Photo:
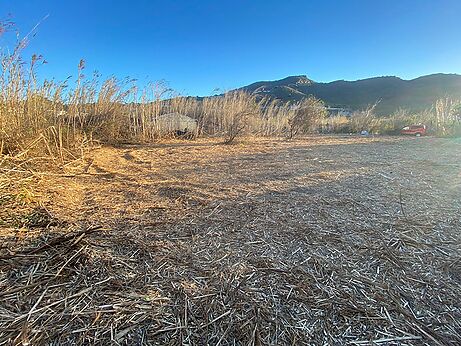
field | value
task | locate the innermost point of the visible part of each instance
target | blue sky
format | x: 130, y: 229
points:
x: 198, y: 46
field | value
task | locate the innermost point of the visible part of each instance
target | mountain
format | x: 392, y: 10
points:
x: 391, y: 92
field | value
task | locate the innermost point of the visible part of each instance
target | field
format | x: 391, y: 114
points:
x: 322, y: 241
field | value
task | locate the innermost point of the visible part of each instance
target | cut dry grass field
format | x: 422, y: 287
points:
x: 322, y: 241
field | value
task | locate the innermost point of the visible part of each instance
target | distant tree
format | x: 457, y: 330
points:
x: 307, y: 116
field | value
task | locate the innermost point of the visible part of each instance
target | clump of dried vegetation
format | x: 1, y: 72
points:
x: 443, y: 120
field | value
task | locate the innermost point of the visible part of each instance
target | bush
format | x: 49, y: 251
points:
x: 336, y: 124
x: 365, y: 120
x: 447, y: 119
x: 307, y: 116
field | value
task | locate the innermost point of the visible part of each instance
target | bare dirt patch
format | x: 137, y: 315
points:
x: 324, y: 240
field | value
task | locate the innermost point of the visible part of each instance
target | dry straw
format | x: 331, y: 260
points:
x: 271, y: 243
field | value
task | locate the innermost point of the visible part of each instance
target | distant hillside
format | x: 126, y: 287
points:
x: 391, y: 92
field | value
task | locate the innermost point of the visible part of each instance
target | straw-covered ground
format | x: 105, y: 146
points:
x: 318, y: 241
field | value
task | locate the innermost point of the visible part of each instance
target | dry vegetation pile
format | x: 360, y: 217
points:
x: 317, y: 241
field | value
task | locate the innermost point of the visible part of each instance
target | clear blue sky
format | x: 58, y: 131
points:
x: 198, y: 46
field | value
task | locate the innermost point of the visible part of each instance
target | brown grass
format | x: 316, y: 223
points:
x: 324, y: 240
x: 59, y: 120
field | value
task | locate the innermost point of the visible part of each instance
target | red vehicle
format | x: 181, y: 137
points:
x: 414, y: 130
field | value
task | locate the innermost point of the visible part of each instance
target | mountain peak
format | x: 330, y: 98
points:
x: 295, y: 80
x: 278, y: 88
